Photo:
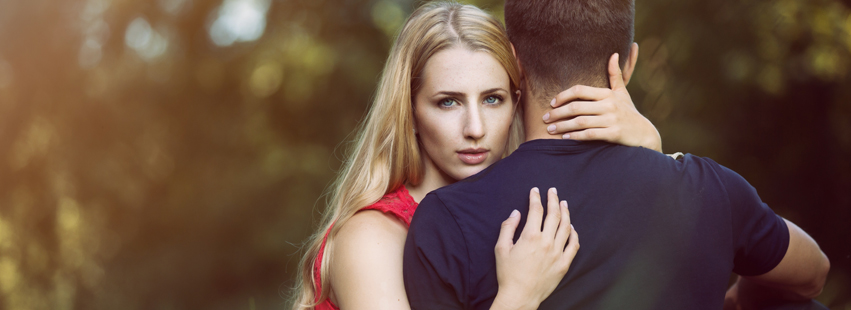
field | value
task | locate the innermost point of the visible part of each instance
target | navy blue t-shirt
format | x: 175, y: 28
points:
x: 655, y: 233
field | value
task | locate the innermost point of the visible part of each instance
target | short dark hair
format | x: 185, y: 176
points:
x: 562, y: 43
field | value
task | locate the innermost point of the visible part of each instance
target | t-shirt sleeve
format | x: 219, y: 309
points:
x: 435, y: 258
x: 760, y: 237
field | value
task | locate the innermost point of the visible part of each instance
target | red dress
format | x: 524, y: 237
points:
x: 398, y: 203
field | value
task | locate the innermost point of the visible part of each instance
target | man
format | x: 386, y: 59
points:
x: 656, y: 233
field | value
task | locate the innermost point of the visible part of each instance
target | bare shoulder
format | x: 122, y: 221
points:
x: 366, y: 264
x: 370, y: 239
x: 371, y: 224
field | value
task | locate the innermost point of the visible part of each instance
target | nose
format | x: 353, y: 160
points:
x: 474, y: 126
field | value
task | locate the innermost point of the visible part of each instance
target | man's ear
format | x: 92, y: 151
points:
x: 629, y: 66
x: 520, y: 67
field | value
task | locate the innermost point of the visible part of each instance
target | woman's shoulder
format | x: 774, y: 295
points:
x: 376, y: 230
x: 367, y: 259
x: 370, y: 223
x: 397, y: 203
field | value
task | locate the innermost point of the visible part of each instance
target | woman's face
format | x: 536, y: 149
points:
x: 462, y: 110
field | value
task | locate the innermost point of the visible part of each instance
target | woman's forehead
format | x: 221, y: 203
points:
x: 462, y: 70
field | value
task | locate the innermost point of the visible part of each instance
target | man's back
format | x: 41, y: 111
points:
x: 655, y: 233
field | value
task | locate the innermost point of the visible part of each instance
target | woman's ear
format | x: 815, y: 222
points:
x: 414, y: 121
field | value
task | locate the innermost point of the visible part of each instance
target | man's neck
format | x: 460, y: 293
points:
x: 533, y: 121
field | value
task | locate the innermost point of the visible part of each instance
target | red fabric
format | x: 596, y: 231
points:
x: 398, y: 203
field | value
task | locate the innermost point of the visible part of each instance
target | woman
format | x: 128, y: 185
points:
x: 444, y: 110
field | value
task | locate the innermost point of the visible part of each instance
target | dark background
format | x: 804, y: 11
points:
x: 172, y: 154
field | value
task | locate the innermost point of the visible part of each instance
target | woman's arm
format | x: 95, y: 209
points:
x: 590, y: 113
x: 366, y: 263
x: 529, y: 270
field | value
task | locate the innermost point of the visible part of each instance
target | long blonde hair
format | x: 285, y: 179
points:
x: 386, y: 154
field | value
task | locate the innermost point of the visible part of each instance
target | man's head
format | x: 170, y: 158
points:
x: 561, y: 43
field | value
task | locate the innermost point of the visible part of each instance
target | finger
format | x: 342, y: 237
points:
x: 608, y: 134
x: 536, y: 212
x: 580, y: 92
x: 581, y: 123
x: 563, y: 227
x: 572, y: 246
x: 615, y: 73
x: 553, y: 214
x: 506, y: 233
x: 577, y: 108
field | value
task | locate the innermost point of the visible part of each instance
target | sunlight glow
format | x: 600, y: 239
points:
x: 146, y: 41
x: 174, y: 7
x: 96, y: 32
x: 239, y: 21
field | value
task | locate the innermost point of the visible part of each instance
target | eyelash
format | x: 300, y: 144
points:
x: 497, y: 97
x: 440, y: 103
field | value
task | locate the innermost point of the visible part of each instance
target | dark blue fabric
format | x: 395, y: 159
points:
x: 655, y: 233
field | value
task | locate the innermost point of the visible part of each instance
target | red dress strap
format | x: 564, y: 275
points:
x: 399, y: 203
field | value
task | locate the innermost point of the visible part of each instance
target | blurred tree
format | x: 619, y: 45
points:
x: 173, y: 153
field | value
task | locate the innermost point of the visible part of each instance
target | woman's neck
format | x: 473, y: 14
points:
x: 433, y: 178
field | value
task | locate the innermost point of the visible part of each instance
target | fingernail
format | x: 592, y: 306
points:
x: 564, y: 204
x: 535, y: 189
x: 553, y: 189
x: 551, y: 128
x: 546, y: 116
x: 553, y: 103
x: 514, y: 213
x: 566, y: 136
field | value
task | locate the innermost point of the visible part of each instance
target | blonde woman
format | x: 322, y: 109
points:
x: 445, y: 109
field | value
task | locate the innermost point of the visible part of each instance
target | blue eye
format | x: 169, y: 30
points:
x: 493, y: 100
x: 446, y: 103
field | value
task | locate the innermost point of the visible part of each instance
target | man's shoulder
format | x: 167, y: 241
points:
x: 457, y: 203
x: 473, y: 184
x: 431, y: 210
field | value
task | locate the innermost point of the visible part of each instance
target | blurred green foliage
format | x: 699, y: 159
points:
x: 172, y: 154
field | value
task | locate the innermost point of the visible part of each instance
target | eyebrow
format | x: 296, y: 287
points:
x: 460, y: 94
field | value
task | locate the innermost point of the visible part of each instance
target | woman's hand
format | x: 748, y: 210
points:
x: 529, y: 270
x: 590, y: 113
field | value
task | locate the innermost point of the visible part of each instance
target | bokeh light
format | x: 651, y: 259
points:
x: 173, y: 154
x: 146, y: 41
x: 239, y: 21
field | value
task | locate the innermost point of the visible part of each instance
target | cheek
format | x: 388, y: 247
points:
x: 499, y: 120
x: 435, y: 130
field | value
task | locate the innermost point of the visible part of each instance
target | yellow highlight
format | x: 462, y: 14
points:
x: 68, y: 214
x: 825, y: 61
x: 5, y: 235
x: 266, y: 79
x: 34, y: 142
x: 9, y: 276
x: 848, y: 33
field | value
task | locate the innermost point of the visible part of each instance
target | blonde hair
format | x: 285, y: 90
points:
x: 386, y: 153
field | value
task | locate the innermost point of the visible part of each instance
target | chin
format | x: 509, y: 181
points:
x: 468, y: 171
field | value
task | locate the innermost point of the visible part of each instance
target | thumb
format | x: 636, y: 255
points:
x: 506, y: 232
x: 615, y: 73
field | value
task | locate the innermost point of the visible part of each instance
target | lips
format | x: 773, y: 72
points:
x: 473, y: 156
